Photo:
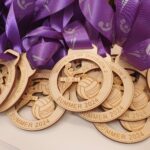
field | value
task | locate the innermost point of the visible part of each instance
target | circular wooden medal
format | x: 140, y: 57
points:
x: 126, y: 99
x: 140, y: 106
x: 72, y: 76
x: 45, y: 111
x: 136, y: 114
x: 7, y: 75
x: 125, y: 137
x: 25, y: 71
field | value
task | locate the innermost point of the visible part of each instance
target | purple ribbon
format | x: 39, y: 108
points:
x: 46, y: 29
x: 126, y: 25
x: 49, y: 7
x: 12, y: 31
x: 74, y: 38
x: 125, y: 15
x: 101, y: 18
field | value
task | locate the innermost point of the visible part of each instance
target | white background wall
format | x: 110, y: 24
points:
x: 70, y: 133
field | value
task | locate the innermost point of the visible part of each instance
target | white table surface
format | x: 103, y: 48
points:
x: 70, y: 133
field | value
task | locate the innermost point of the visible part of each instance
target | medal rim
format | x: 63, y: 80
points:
x: 106, y: 88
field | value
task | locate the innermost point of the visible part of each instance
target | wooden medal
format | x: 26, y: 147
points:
x: 125, y: 137
x: 25, y: 71
x: 73, y: 73
x: 119, y: 109
x: 7, y: 75
x: 45, y: 111
x: 140, y: 106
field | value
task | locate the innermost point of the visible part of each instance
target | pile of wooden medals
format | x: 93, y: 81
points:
x: 99, y: 90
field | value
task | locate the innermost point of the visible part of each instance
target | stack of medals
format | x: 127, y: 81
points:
x: 99, y: 90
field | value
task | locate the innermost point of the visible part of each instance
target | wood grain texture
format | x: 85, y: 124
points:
x: 74, y: 75
x: 44, y: 109
x: 126, y: 99
x: 9, y: 70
